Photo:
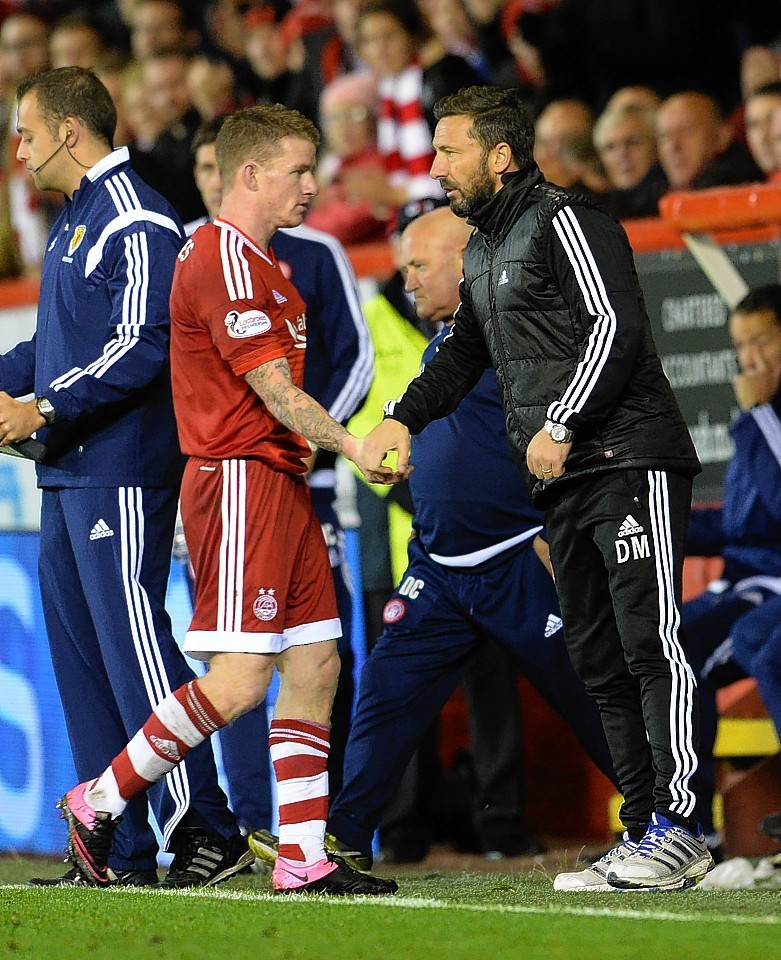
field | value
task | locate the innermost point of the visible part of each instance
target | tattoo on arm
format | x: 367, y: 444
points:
x: 294, y: 408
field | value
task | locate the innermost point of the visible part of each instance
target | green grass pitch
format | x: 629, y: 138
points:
x: 435, y: 916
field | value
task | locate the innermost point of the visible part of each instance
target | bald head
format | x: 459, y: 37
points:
x: 560, y: 124
x: 430, y: 253
x: 690, y: 131
x: 633, y: 96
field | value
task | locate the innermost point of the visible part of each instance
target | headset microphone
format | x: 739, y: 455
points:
x: 53, y: 155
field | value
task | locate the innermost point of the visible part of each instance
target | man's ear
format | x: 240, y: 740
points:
x: 249, y: 175
x: 71, y: 130
x: 502, y: 158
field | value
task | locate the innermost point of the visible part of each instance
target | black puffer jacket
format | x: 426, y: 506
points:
x: 550, y: 298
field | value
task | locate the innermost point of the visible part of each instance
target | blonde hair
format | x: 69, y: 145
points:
x: 255, y: 133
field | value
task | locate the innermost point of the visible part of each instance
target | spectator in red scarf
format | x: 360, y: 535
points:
x: 393, y: 39
x: 348, y: 118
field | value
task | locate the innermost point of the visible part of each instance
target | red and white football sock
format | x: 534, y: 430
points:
x: 180, y: 722
x: 299, y: 752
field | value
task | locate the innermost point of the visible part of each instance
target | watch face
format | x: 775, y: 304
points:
x: 559, y: 432
x: 45, y: 409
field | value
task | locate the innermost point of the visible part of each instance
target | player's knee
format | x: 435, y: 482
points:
x: 316, y: 673
x: 235, y: 692
x: 327, y: 674
x: 248, y: 694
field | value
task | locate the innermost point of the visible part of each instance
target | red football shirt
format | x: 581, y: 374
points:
x: 232, y: 309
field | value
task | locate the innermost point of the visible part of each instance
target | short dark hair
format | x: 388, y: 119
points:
x: 406, y: 12
x: 498, y: 116
x: 73, y: 92
x: 256, y: 133
x: 207, y: 133
x: 78, y: 20
x: 767, y: 297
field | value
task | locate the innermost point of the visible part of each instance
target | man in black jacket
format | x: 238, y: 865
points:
x: 550, y: 298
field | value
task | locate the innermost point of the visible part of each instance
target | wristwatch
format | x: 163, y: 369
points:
x: 558, y: 432
x: 46, y: 410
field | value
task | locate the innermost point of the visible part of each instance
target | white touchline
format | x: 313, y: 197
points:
x: 419, y: 903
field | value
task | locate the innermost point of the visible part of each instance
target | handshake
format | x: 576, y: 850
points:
x: 369, y: 452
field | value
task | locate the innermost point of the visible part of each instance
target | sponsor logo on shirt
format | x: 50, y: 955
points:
x: 265, y: 606
x: 553, y: 625
x: 298, y: 331
x: 250, y: 323
x: 186, y: 250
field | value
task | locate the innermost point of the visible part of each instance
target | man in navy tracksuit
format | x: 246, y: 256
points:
x: 733, y: 626
x: 473, y: 574
x: 338, y: 373
x: 98, y: 366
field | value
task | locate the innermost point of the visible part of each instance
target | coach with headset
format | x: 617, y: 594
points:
x: 98, y: 367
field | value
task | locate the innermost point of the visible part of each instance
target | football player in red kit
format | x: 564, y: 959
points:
x: 264, y: 591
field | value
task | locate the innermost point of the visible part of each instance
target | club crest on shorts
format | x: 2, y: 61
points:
x: 265, y: 606
x: 394, y: 610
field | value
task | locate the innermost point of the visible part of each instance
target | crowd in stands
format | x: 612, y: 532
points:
x: 623, y: 110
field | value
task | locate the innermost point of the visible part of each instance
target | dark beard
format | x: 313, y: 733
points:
x: 479, y: 193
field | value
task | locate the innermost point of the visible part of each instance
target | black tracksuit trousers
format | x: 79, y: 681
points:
x: 617, y: 543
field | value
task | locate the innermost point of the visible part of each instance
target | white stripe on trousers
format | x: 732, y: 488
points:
x: 683, y: 682
x: 230, y: 597
x: 142, y: 628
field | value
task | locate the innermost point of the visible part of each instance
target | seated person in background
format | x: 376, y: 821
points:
x: 454, y: 30
x: 110, y: 70
x: 561, y: 122
x: 159, y: 26
x: 580, y: 156
x: 212, y: 87
x: 626, y: 141
x: 413, y: 71
x: 274, y: 80
x: 745, y: 530
x: 168, y: 165
x: 775, y: 139
x: 758, y: 117
x: 633, y: 96
x: 139, y: 120
x: 329, y: 51
x: 24, y: 51
x: 759, y: 66
x: 75, y: 42
x: 348, y: 119
x: 696, y: 145
x: 756, y: 642
x: 523, y: 27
